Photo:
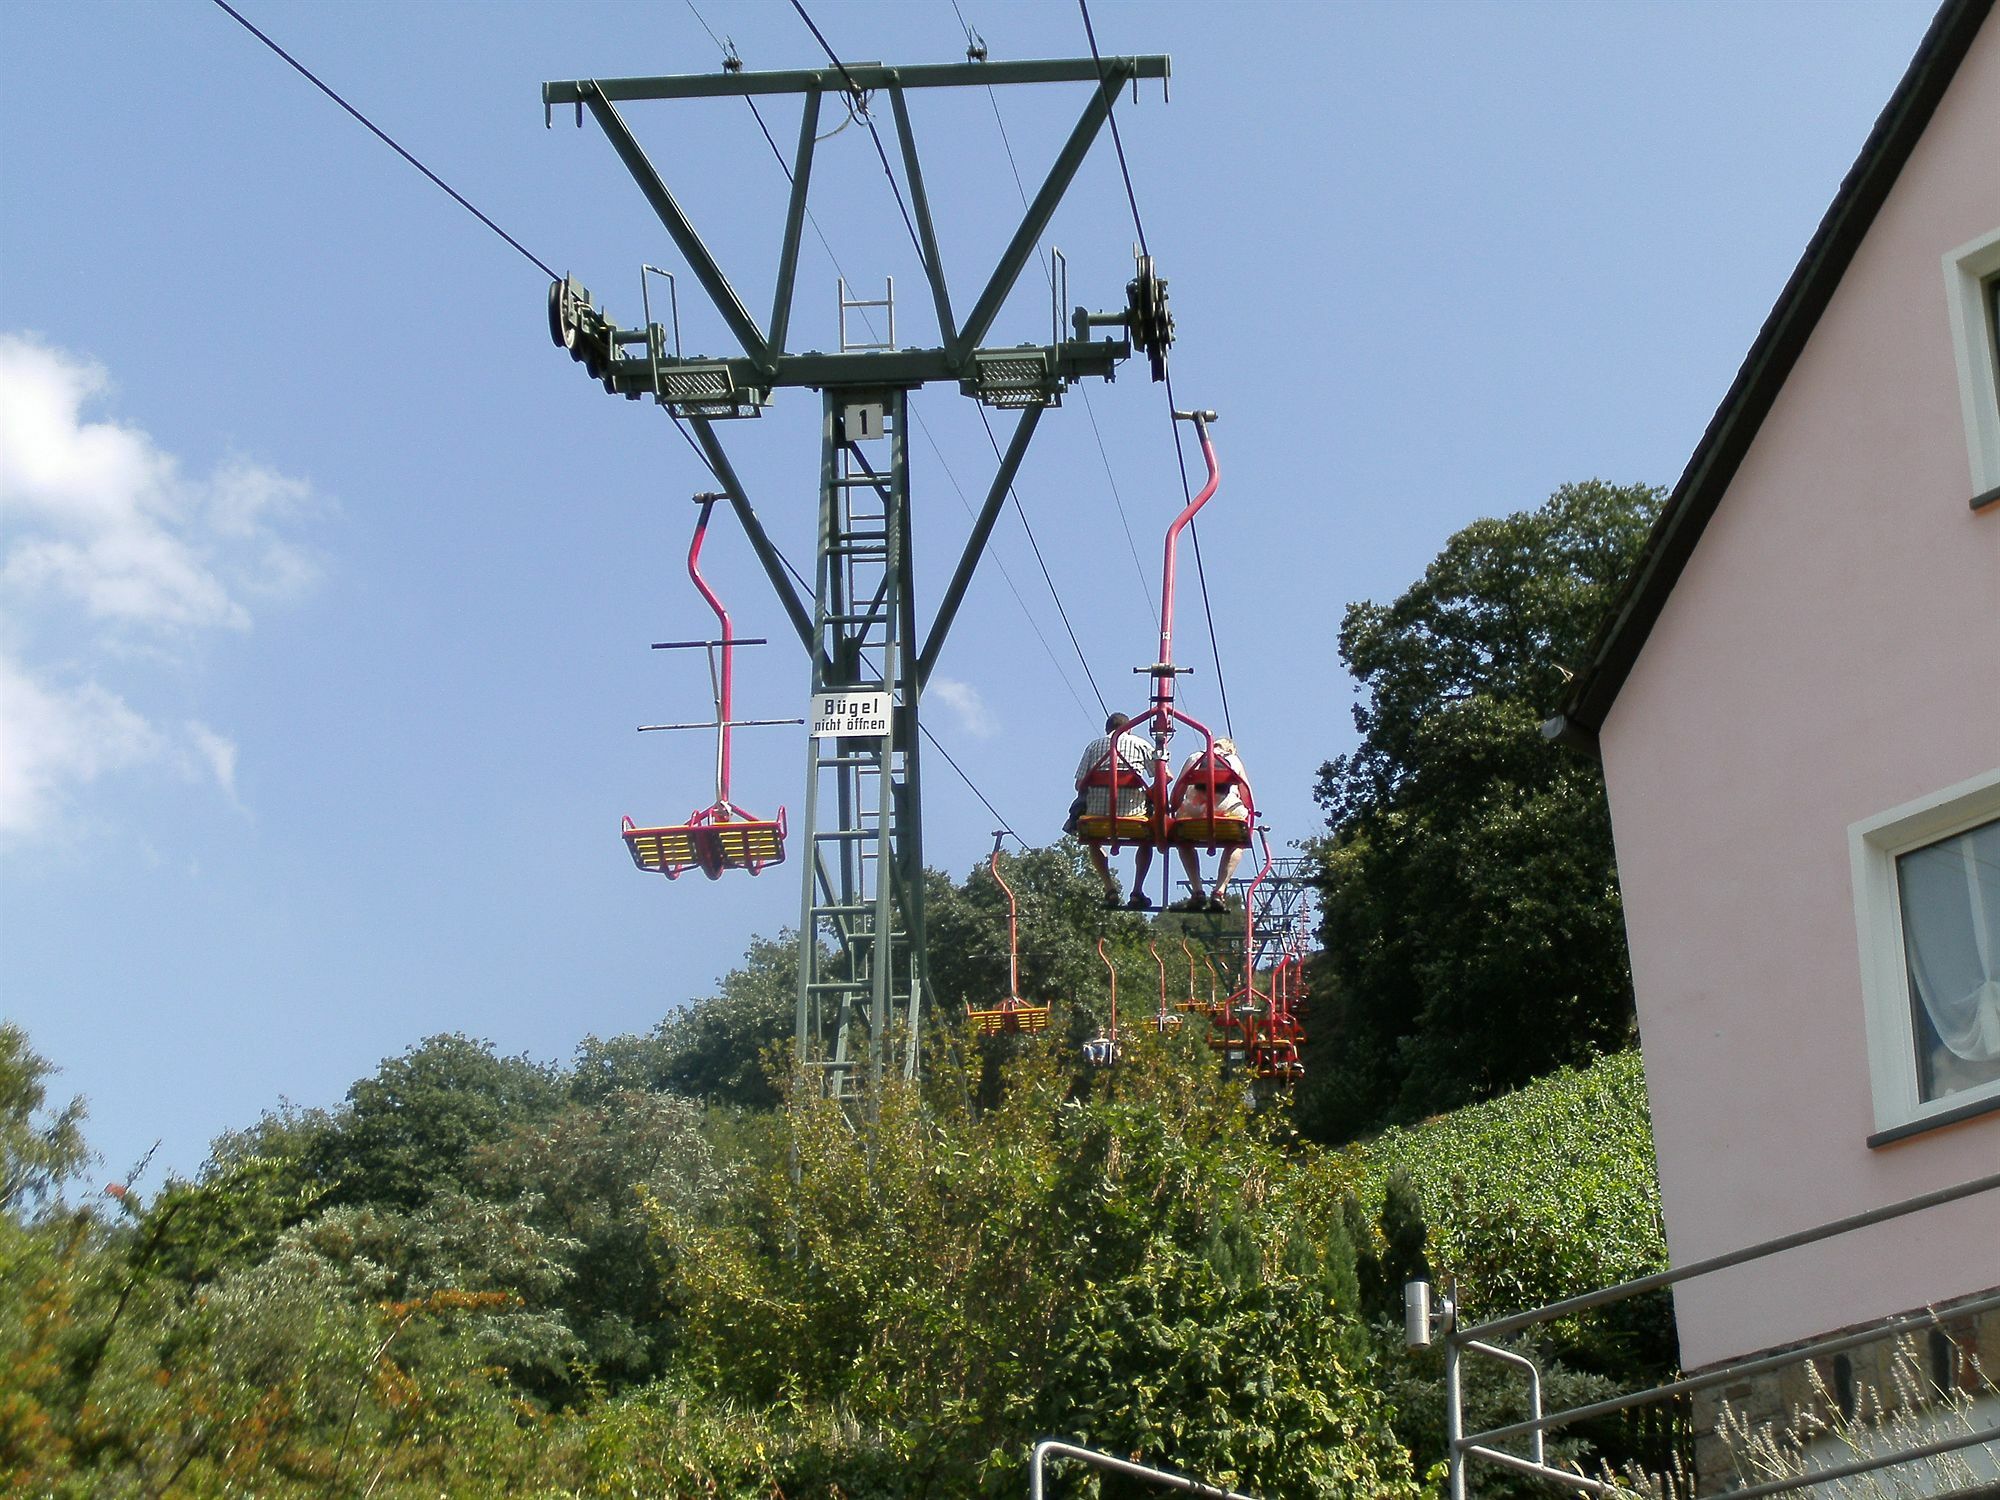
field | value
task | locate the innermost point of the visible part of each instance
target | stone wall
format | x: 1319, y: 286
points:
x: 1820, y: 1406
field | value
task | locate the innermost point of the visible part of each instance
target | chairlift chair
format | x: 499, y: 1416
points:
x: 1159, y: 826
x: 1012, y: 1013
x: 1167, y: 1019
x: 1192, y: 1004
x: 1101, y: 1051
x: 1242, y: 1031
x: 721, y: 836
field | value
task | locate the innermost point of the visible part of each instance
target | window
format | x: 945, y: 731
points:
x: 1972, y: 287
x: 1927, y: 913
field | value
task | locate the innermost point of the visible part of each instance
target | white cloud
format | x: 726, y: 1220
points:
x: 216, y: 754
x: 963, y: 699
x: 106, y: 548
x: 52, y: 740
x: 100, y: 517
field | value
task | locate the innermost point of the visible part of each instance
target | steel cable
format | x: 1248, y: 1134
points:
x: 386, y: 139
x: 1180, y: 457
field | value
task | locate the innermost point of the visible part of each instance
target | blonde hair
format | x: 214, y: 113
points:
x: 1225, y: 747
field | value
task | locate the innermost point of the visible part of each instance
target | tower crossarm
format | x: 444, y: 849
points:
x: 864, y: 76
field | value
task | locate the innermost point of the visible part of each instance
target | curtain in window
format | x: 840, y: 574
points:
x: 1951, y: 932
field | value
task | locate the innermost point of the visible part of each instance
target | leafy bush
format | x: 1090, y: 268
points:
x: 1110, y: 1259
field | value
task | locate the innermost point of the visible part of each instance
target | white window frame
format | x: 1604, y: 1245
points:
x: 1967, y: 271
x: 1873, y: 845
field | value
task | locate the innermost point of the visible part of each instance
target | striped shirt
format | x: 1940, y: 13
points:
x: 1134, y: 755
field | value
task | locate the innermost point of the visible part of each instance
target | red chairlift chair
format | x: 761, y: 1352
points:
x: 1159, y: 825
x: 721, y: 836
x: 1242, y: 1027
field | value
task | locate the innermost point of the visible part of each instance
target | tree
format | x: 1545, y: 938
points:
x: 1119, y: 1259
x: 586, y: 1180
x: 718, y: 1048
x: 1473, y: 931
x: 36, y: 1154
x: 411, y: 1128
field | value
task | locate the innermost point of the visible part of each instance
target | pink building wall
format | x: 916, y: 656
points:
x: 1832, y: 650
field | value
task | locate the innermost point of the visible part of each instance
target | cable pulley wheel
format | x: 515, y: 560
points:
x: 1147, y: 319
x: 566, y: 321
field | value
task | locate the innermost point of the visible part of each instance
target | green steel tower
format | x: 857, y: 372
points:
x: 862, y: 980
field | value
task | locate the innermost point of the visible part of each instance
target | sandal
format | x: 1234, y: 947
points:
x: 1140, y: 902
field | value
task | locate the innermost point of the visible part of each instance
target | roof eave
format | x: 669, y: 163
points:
x: 1764, y: 371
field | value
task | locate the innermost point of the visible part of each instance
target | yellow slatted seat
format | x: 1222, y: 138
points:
x: 749, y: 843
x: 1009, y: 1018
x: 662, y: 851
x: 1221, y: 832
x: 1109, y: 830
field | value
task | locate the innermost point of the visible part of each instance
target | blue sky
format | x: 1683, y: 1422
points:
x: 329, y: 582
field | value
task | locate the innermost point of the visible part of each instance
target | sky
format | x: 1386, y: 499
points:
x: 327, y: 583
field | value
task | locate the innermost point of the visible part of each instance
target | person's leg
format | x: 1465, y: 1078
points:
x: 1142, y: 863
x: 1191, y: 862
x: 1231, y: 857
x: 1095, y: 854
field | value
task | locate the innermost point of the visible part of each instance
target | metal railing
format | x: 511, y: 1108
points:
x: 1049, y: 1448
x: 1426, y: 1318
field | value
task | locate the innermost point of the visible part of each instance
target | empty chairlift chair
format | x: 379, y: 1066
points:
x: 1101, y: 1051
x: 721, y: 836
x: 1012, y: 1013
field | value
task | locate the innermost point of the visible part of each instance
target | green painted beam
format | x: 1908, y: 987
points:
x: 866, y: 76
x: 706, y: 271
x: 975, y: 544
x: 1036, y: 219
x: 920, y: 201
x: 795, y: 213
x: 1072, y: 360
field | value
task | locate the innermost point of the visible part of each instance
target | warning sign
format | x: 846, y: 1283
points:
x: 847, y: 713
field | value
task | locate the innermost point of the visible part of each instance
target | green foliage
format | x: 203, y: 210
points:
x: 36, y: 1154
x: 1530, y: 1198
x: 719, y: 1048
x: 1116, y: 1261
x: 584, y: 1179
x: 1515, y: 1203
x: 674, y: 1441
x: 1474, y: 934
x: 412, y: 1127
x: 482, y: 1275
